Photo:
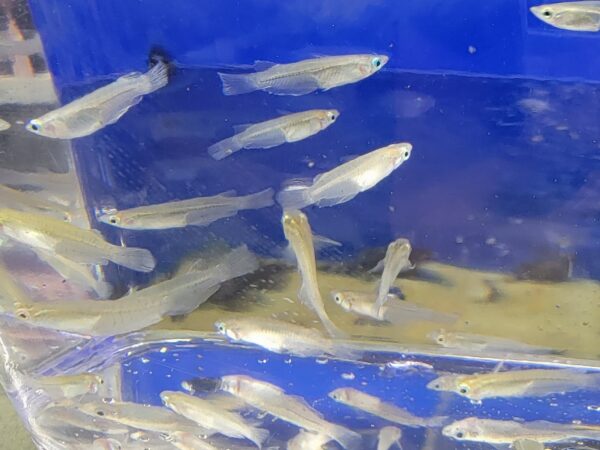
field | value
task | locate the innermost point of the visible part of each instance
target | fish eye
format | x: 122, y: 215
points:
x: 221, y: 328
x: 23, y: 314
x: 547, y: 13
x: 406, y: 155
x: 113, y: 219
x: 463, y: 389
x: 440, y: 339
x: 338, y: 298
x: 376, y: 62
x: 332, y: 116
x: 100, y: 413
x: 460, y: 434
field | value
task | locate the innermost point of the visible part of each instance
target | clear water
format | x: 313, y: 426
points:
x: 498, y: 200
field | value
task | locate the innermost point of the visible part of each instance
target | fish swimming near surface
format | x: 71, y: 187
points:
x: 289, y: 408
x: 574, y: 16
x: 289, y: 128
x: 67, y: 240
x: 493, y: 432
x: 517, y: 383
x: 346, y: 181
x: 375, y: 406
x: 102, y: 107
x: 176, y: 296
x: 200, y: 211
x: 299, y: 235
x: 210, y: 416
x: 303, y: 77
x: 394, y: 311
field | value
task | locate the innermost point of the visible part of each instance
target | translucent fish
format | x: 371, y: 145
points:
x: 61, y: 415
x: 394, y: 311
x: 396, y: 261
x: 506, y: 432
x: 346, y: 181
x: 56, y: 187
x: 210, y: 417
x: 519, y: 383
x: 574, y: 16
x: 482, y: 343
x: 292, y: 409
x: 25, y: 201
x: 198, y: 211
x: 12, y: 295
x: 306, y: 440
x: 373, y: 405
x: 67, y: 240
x: 179, y: 295
x: 304, y: 77
x: 298, y: 233
x: 289, y: 128
x: 389, y: 436
x: 67, y: 386
x: 282, y: 337
x: 101, y: 107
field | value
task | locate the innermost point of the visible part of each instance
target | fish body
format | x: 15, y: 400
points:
x: 143, y: 417
x: 12, y: 295
x: 189, y: 441
x: 289, y: 128
x: 346, y: 181
x: 306, y: 440
x: 298, y: 233
x: 574, y: 16
x: 389, y: 436
x: 179, y: 295
x: 67, y: 240
x: 100, y: 108
x: 506, y: 432
x: 64, y: 414
x: 68, y: 386
x: 521, y: 383
x: 304, y: 77
x: 478, y: 342
x: 373, y: 405
x: 198, y: 211
x: 396, y: 260
x: 209, y: 416
x: 292, y: 409
x: 394, y: 311
x: 4, y: 125
x: 281, y: 337
x: 30, y: 202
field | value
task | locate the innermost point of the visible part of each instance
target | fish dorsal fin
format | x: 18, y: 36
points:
x: 378, y: 267
x: 261, y: 65
x: 296, y: 183
x: 242, y: 127
x: 131, y: 76
x: 228, y: 193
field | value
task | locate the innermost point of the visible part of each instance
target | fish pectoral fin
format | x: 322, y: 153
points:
x: 112, y: 115
x: 78, y: 253
x: 526, y: 444
x: 294, y: 86
x: 336, y: 200
x: 268, y: 139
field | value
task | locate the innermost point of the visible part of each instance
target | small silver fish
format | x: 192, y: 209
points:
x: 210, y: 417
x: 395, y: 311
x: 189, y: 441
x: 304, y: 77
x: 292, y: 409
x: 289, y: 128
x: 346, y: 181
x: 67, y: 240
x: 282, y: 337
x: 298, y: 233
x: 574, y: 16
x: 32, y: 202
x: 178, y: 295
x: 478, y: 342
x: 396, y: 261
x: 101, y: 107
x: 307, y: 440
x: 506, y: 432
x: 373, y: 405
x: 519, y: 383
x: 198, y: 211
x: 389, y: 436
x: 67, y: 386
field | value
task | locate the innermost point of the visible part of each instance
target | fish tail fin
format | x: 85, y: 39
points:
x: 437, y: 421
x: 234, y: 84
x: 238, y: 262
x: 224, y: 148
x: 157, y: 76
x: 259, y: 436
x: 262, y: 199
x: 138, y: 259
x: 348, y: 439
x: 294, y: 197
